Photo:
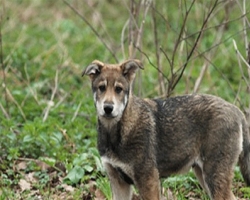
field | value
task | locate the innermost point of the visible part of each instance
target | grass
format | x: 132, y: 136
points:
x: 47, y: 115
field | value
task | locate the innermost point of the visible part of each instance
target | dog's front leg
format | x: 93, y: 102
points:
x: 121, y: 190
x: 148, y: 185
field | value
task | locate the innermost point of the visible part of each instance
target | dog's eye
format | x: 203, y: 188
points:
x: 102, y: 88
x: 118, y: 89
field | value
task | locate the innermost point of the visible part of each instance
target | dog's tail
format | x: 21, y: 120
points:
x: 244, y: 159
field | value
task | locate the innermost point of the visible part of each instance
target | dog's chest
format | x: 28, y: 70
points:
x: 108, y: 140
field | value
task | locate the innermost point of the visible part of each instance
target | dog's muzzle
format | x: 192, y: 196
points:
x: 108, y: 109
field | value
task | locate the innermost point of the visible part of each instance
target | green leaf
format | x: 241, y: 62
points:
x: 79, y: 160
x: 48, y: 161
x: 246, y: 191
x: 75, y: 175
x: 27, y: 138
x: 88, y: 168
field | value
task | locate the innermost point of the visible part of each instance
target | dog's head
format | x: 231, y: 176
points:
x: 111, y: 85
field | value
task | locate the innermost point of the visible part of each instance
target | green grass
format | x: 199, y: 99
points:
x: 47, y: 115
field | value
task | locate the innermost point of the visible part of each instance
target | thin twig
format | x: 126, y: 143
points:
x: 37, y: 162
x: 92, y: 28
x: 244, y: 25
x: 4, y: 111
x: 200, y: 77
x: 122, y: 38
x: 215, y: 45
x: 210, y: 55
x: 194, y: 47
x: 181, y: 33
x: 15, y: 102
x: 151, y: 62
x: 240, y: 55
x: 224, y: 78
x: 30, y: 88
x: 242, y: 10
x: 157, y: 54
x: 168, y: 59
x: 51, y: 101
x: 2, y: 63
x: 242, y: 74
x: 247, y: 45
x: 136, y: 30
x: 132, y: 22
x: 140, y: 31
x: 76, y: 112
x: 61, y: 100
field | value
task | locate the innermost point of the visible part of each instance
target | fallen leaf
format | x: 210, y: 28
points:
x: 43, y: 166
x: 68, y: 188
x: 99, y: 195
x: 21, y: 166
x: 24, y: 185
x: 91, y: 185
x: 30, y: 177
x: 170, y: 195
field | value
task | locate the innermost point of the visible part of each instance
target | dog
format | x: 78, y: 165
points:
x: 143, y: 140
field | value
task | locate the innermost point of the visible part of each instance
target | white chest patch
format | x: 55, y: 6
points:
x: 118, y: 164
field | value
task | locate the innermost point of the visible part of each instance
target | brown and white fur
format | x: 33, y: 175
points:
x: 143, y: 140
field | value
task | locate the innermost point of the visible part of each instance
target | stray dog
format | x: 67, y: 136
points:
x: 143, y: 140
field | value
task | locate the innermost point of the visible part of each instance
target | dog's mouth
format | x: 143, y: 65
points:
x: 108, y: 116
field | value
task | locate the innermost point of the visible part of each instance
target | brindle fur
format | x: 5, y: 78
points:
x: 143, y: 140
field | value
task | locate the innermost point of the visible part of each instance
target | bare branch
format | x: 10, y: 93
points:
x: 15, y: 102
x: 140, y: 31
x: 168, y: 59
x: 151, y: 62
x: 50, y: 103
x: 157, y: 54
x: 122, y: 39
x: 243, y: 76
x: 136, y: 39
x: 6, y: 111
x: 216, y: 26
x: 199, y: 79
x: 240, y: 55
x: 210, y: 55
x: 92, y: 28
x: 181, y: 33
x: 194, y: 46
x: 76, y: 112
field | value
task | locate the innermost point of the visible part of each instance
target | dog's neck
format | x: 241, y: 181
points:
x: 108, y: 137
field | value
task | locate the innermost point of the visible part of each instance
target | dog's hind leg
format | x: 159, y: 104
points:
x: 121, y: 190
x: 218, y: 180
x: 208, y: 188
x: 198, y: 173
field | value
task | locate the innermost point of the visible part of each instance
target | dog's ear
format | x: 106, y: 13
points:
x: 129, y: 68
x: 93, y: 69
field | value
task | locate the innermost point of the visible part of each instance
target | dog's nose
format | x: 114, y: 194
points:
x: 108, y: 108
